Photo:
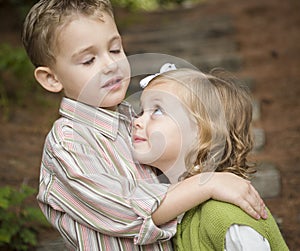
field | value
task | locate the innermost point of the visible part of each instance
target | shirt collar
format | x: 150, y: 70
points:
x: 105, y: 121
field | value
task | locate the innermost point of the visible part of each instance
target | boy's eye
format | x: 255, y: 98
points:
x: 117, y: 51
x: 89, y: 62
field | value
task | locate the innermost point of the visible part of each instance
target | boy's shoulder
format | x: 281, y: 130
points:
x: 83, y: 121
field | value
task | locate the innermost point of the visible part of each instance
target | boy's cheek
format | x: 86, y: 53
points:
x: 125, y: 68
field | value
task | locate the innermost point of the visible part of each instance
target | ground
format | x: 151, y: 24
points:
x: 268, y: 34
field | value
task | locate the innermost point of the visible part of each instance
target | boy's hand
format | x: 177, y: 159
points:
x: 231, y: 188
x: 199, y: 188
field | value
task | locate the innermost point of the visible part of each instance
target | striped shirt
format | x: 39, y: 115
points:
x: 91, y: 190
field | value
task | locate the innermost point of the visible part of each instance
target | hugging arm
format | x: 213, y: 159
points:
x: 202, y: 187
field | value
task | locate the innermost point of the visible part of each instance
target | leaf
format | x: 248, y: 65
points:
x: 4, y: 236
x: 5, y: 194
x: 28, y: 237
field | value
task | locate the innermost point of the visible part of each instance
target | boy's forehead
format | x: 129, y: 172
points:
x: 77, y: 25
x: 66, y: 20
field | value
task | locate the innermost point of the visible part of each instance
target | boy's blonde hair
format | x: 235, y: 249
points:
x: 46, y: 17
x: 223, y: 111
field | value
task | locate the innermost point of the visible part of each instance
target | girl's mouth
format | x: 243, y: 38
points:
x: 138, y: 139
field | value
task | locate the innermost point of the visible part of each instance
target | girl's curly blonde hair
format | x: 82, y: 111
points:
x: 222, y: 109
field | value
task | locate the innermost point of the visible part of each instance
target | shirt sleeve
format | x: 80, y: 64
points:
x: 76, y: 181
x: 240, y: 237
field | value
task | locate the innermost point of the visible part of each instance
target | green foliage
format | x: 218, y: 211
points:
x: 24, y: 5
x: 136, y: 4
x: 21, y: 6
x: 18, y: 221
x: 145, y: 4
x: 16, y: 77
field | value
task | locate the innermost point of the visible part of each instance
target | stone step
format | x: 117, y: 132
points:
x: 149, y: 63
x: 267, y: 180
x: 197, y: 27
x: 256, y: 110
x: 259, y: 139
x: 52, y: 245
x: 208, y: 36
x: 184, y: 47
x: 230, y: 62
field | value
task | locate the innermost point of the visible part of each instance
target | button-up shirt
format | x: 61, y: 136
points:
x: 92, y: 191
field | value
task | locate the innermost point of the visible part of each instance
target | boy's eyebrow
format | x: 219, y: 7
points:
x: 82, y: 51
x: 116, y: 37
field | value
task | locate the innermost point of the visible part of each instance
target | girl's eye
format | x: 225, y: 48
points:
x: 141, y: 112
x: 157, y: 111
x: 89, y: 62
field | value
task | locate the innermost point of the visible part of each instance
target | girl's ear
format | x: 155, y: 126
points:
x: 47, y: 79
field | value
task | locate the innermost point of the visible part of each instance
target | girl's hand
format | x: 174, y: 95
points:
x: 231, y: 188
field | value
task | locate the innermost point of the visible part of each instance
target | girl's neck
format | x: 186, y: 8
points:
x: 173, y: 171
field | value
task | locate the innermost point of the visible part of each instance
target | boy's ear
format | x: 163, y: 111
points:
x: 47, y: 79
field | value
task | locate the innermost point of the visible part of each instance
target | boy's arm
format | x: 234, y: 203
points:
x: 75, y: 180
x: 199, y: 188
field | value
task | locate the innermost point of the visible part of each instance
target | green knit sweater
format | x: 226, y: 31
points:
x: 204, y: 227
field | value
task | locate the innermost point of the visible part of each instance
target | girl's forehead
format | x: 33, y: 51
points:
x: 164, y: 85
x: 160, y: 91
x: 167, y: 92
x: 165, y: 96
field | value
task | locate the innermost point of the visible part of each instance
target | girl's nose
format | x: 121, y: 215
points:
x: 137, y: 123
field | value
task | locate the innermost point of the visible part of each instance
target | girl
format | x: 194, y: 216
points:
x: 202, y: 122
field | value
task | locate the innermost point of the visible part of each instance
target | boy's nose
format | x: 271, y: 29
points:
x: 109, y: 65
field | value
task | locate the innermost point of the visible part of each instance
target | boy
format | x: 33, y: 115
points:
x: 90, y: 189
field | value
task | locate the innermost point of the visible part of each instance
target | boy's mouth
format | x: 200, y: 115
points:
x: 113, y: 84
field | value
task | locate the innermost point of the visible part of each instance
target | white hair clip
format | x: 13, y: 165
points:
x: 166, y: 67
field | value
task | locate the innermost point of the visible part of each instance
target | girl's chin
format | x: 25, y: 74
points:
x: 144, y: 158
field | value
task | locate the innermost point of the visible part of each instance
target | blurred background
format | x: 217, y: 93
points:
x: 258, y: 41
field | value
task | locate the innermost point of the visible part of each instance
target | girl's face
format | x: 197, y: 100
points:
x: 164, y: 133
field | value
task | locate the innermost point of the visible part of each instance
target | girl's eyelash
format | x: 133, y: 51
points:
x: 139, y: 114
x: 153, y: 110
x: 157, y: 109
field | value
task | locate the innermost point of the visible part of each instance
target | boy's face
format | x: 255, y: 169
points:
x: 90, y: 62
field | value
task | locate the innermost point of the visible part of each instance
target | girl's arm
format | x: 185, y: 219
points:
x: 219, y: 186
x: 245, y: 238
